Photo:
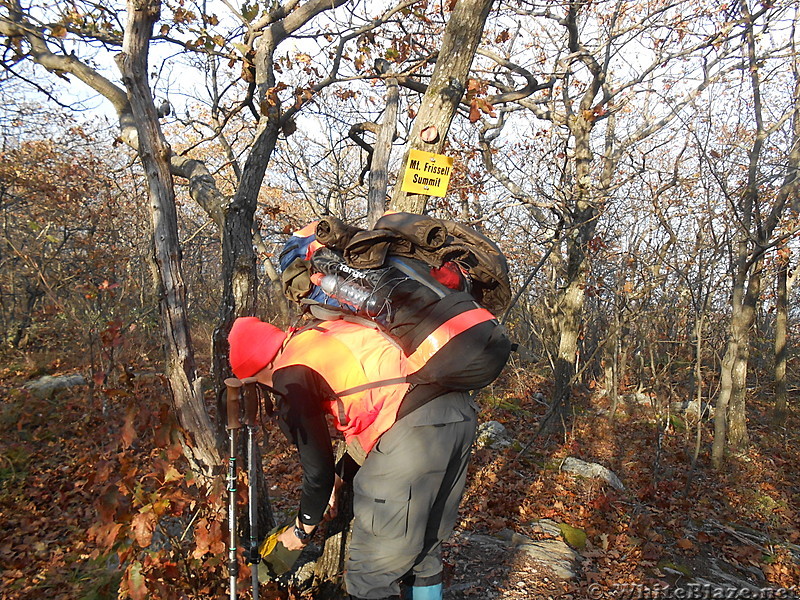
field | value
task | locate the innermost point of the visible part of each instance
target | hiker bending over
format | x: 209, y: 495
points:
x: 413, y: 444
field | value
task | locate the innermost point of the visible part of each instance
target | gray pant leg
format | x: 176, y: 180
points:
x: 407, y: 495
x: 443, y: 516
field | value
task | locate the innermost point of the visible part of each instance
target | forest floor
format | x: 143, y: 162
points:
x: 96, y: 503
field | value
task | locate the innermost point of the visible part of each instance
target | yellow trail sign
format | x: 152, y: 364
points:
x: 427, y: 173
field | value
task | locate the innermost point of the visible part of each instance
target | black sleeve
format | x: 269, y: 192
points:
x: 300, y: 414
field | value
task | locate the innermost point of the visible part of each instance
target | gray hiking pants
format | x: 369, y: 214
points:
x: 406, y: 497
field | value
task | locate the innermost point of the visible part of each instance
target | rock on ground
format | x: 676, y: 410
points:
x: 493, y: 435
x: 48, y: 386
x: 485, y: 567
x: 586, y: 469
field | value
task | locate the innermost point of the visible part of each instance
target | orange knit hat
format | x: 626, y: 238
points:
x: 253, y: 345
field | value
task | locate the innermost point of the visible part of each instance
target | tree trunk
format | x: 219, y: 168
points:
x: 738, y: 437
x: 730, y: 411
x: 568, y: 323
x: 608, y: 372
x: 275, y: 293
x: 33, y: 293
x: 240, y: 283
x: 265, y: 518
x: 379, y: 166
x: 624, y: 346
x: 721, y: 404
x: 570, y: 305
x: 202, y: 448
x: 612, y: 362
x: 697, y: 382
x: 238, y: 287
x: 783, y: 289
x: 238, y: 256
x: 329, y: 568
x: 446, y: 89
x: 730, y: 418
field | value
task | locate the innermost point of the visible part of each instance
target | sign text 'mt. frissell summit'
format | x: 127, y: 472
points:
x: 427, y: 173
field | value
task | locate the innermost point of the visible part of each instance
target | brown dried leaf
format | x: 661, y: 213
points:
x: 685, y: 544
x: 474, y: 111
x: 143, y: 526
x: 201, y: 538
x: 128, y: 430
x: 135, y: 582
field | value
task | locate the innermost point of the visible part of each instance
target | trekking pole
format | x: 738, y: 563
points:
x: 234, y: 423
x: 250, y: 414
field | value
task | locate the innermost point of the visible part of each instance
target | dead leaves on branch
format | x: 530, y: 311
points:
x: 478, y: 105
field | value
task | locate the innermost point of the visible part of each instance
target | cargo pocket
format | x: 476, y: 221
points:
x: 384, y: 509
x: 390, y: 515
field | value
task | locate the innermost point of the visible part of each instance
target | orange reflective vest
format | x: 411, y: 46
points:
x: 367, y: 372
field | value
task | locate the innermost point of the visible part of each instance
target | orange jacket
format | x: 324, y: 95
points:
x: 366, y: 371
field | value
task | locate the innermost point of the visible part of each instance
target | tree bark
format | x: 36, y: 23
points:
x: 568, y: 320
x: 721, y: 405
x: 274, y: 278
x: 570, y: 306
x: 329, y: 568
x: 611, y: 361
x: 379, y: 165
x: 738, y: 437
x: 697, y: 382
x: 202, y: 448
x: 448, y: 83
x: 784, y: 284
x: 730, y: 418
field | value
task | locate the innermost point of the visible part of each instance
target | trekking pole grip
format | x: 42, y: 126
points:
x: 234, y: 386
x: 250, y: 394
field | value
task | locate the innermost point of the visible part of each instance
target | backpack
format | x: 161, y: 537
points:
x: 429, y: 310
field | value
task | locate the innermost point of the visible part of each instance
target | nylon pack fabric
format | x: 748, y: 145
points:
x: 449, y: 335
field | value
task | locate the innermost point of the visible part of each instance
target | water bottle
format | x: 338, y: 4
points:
x: 362, y: 299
